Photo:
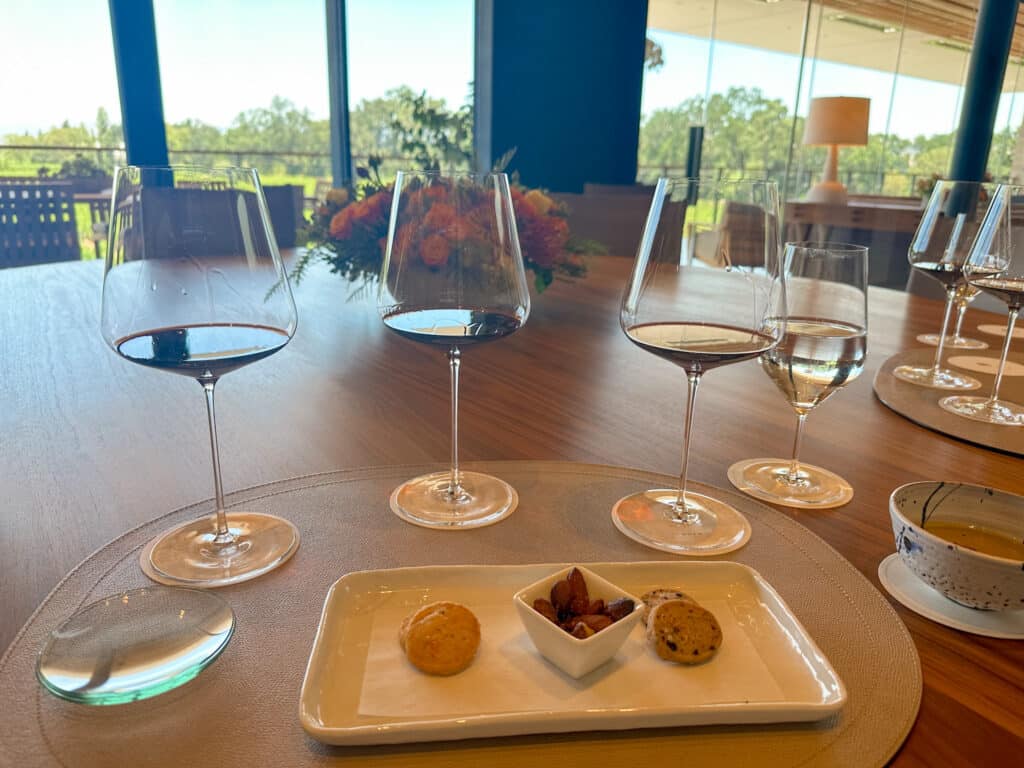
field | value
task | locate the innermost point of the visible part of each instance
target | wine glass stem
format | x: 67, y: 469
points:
x: 950, y: 293
x: 961, y: 310
x: 793, y: 475
x: 680, y: 512
x: 224, y: 536
x: 454, y: 485
x: 1011, y: 320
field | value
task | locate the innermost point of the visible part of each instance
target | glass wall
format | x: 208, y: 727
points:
x: 410, y: 73
x: 59, y: 90
x: 256, y: 99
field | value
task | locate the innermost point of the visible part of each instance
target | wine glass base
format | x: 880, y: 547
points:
x: 952, y: 342
x: 648, y: 518
x: 425, y: 501
x: 765, y: 479
x: 982, y: 409
x: 135, y: 645
x: 943, y: 378
x: 188, y: 556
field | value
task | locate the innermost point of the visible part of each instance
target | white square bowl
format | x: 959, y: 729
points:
x: 572, y: 655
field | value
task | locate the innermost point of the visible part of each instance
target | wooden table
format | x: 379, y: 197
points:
x: 93, y: 445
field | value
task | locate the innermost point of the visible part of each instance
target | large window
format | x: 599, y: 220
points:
x: 410, y: 72
x: 246, y: 83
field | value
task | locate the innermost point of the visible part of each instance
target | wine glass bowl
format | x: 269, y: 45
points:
x: 194, y: 285
x: 939, y: 249
x: 706, y: 290
x: 995, y: 265
x: 823, y: 350
x: 453, y: 278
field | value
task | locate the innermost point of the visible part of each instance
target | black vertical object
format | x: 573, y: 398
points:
x: 337, y: 83
x: 561, y: 82
x: 138, y: 78
x: 993, y: 34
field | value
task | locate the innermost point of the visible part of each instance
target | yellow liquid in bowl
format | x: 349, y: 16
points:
x: 978, y: 539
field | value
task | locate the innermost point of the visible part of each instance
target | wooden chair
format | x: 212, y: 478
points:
x: 646, y: 190
x: 284, y: 203
x: 37, y: 223
x: 615, y: 221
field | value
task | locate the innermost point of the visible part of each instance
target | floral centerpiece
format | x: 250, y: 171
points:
x: 349, y: 229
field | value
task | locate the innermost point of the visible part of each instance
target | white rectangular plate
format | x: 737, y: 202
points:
x: 360, y: 689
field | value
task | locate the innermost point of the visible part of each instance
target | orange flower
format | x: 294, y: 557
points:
x: 341, y: 224
x: 439, y: 216
x: 435, y: 250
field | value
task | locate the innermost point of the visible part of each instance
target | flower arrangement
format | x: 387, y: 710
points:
x: 349, y: 230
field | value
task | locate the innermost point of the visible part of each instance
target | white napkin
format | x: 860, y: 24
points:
x: 509, y: 675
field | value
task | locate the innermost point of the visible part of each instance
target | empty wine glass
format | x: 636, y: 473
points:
x: 194, y: 285
x: 939, y: 250
x: 453, y: 278
x: 823, y: 350
x: 706, y: 290
x: 996, y: 266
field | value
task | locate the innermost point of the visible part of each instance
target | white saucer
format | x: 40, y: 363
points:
x: 920, y: 598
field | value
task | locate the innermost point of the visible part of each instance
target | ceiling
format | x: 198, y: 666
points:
x: 864, y: 33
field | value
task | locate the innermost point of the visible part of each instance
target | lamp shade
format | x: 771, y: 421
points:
x: 840, y: 120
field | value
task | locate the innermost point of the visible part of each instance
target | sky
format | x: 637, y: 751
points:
x: 220, y: 57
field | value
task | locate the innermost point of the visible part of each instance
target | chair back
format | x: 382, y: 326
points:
x: 37, y: 223
x: 284, y: 202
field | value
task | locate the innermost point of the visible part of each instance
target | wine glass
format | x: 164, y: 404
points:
x: 707, y: 289
x: 823, y: 350
x: 939, y: 249
x: 453, y: 278
x: 996, y: 266
x: 194, y: 285
x: 965, y: 294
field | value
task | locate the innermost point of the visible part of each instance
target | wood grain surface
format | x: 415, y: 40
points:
x: 92, y: 445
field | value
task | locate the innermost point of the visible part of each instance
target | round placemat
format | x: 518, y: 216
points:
x: 921, y: 404
x: 243, y: 710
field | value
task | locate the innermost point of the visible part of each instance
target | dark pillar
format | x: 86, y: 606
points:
x: 993, y: 34
x: 561, y: 81
x: 337, y: 83
x: 138, y: 79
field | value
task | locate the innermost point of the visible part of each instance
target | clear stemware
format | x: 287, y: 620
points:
x: 707, y: 290
x: 194, y: 285
x: 453, y: 278
x: 939, y: 249
x: 823, y: 350
x: 996, y: 266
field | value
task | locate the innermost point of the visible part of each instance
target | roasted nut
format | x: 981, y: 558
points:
x: 579, y: 586
x: 620, y: 608
x: 545, y: 609
x: 597, y: 621
x: 579, y: 606
x: 561, y: 595
x: 596, y: 606
x: 581, y: 631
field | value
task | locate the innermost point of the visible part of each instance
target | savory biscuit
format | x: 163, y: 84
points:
x: 656, y: 597
x: 683, y: 632
x: 441, y: 638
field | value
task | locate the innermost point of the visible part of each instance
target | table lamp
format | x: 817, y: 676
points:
x: 835, y: 121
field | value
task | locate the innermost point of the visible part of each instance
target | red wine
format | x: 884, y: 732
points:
x: 452, y: 327
x: 202, y: 351
x: 946, y: 273
x: 699, y: 347
x: 1007, y: 289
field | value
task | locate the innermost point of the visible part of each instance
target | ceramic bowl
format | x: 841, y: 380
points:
x: 572, y: 655
x: 963, y: 575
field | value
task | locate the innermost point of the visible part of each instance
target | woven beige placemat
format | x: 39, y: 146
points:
x: 921, y: 404
x: 243, y: 710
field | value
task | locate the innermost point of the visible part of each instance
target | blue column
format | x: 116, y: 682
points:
x: 337, y: 83
x: 993, y: 34
x: 561, y: 81
x: 138, y: 79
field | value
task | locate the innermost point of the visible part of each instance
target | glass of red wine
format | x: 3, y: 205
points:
x: 707, y: 290
x: 939, y: 249
x: 194, y: 285
x: 996, y: 266
x: 453, y: 278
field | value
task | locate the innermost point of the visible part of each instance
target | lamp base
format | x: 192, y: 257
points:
x: 828, y: 193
